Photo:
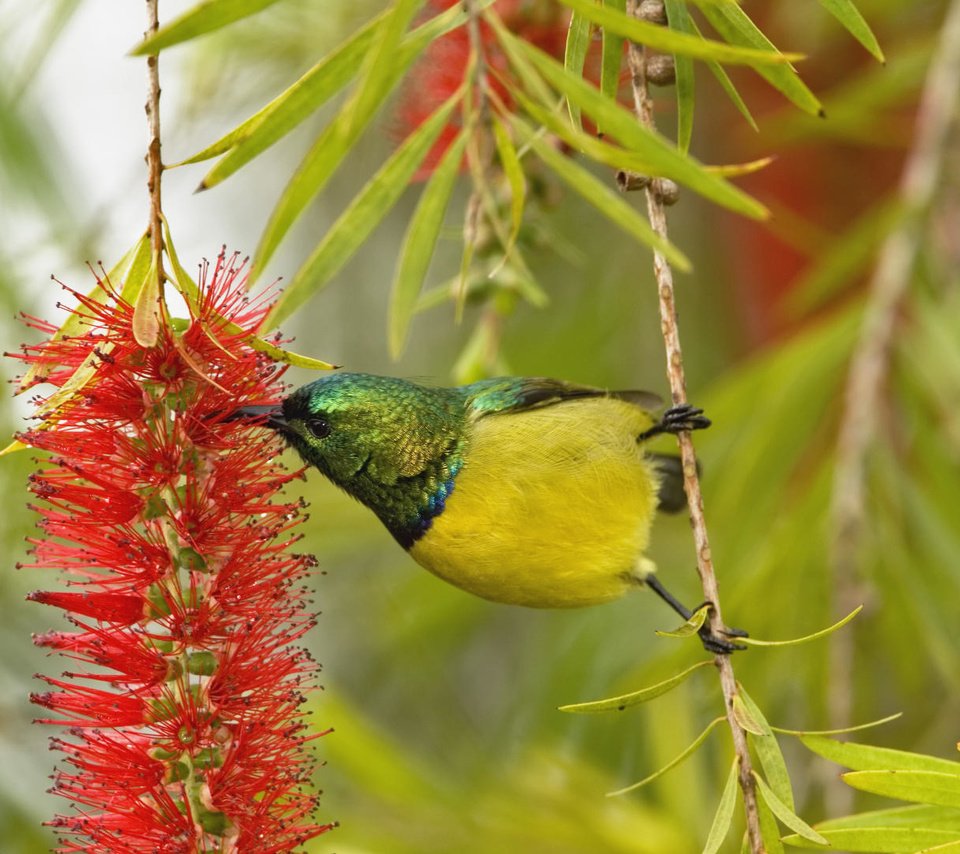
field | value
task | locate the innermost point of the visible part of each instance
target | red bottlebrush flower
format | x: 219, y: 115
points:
x: 184, y: 705
x: 440, y: 72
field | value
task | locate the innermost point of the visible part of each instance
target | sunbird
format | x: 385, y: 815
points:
x: 522, y: 490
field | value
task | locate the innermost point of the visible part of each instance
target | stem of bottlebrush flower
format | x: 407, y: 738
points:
x: 154, y: 163
x: 636, y: 57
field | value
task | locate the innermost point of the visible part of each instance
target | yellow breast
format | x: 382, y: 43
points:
x: 551, y: 509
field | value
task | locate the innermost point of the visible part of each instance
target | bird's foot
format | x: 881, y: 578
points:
x: 678, y: 419
x: 713, y: 642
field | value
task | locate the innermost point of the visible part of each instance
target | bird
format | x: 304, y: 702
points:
x: 521, y: 490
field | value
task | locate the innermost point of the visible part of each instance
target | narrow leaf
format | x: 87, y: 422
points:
x: 601, y: 196
x: 205, y: 17
x: 611, y: 57
x: 419, y: 244
x: 769, y: 831
x: 679, y: 20
x: 146, y: 306
x: 851, y: 19
x: 678, y: 43
x: 785, y: 814
x: 13, y: 447
x: 700, y: 739
x: 735, y: 26
x: 512, y: 169
x: 690, y: 627
x: 746, y: 720
x: 768, y: 750
x: 884, y: 840
x: 926, y: 787
x: 624, y: 701
x: 362, y: 215
x: 806, y: 638
x: 866, y: 757
x: 724, y: 814
x: 575, y: 54
x: 727, y: 85
x: 840, y: 731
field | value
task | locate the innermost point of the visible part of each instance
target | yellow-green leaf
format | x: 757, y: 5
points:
x: 724, y: 814
x: 851, y: 19
x: 926, y: 787
x: 510, y: 163
x: 785, y: 813
x: 611, y: 58
x: 746, y: 720
x: 575, y: 53
x: 679, y: 20
x: 840, y: 731
x: 362, y: 215
x: 678, y: 43
x: 146, y: 307
x: 864, y: 757
x: 13, y: 447
x: 419, y: 243
x: 735, y: 26
x: 206, y: 17
x: 768, y: 750
x: 700, y: 739
x: 806, y: 638
x: 690, y: 627
x: 884, y: 840
x: 624, y: 701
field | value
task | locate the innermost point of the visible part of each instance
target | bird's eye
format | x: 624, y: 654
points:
x: 319, y: 427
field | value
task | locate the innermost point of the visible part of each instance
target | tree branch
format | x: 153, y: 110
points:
x: 656, y: 212
x: 154, y: 163
x: 870, y: 362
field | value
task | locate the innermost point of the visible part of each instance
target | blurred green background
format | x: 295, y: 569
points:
x: 447, y: 735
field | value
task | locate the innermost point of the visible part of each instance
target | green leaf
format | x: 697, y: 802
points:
x: 624, y: 701
x: 611, y: 57
x: 678, y: 43
x: 912, y: 816
x: 690, y: 627
x: 882, y: 840
x: 679, y: 20
x: 673, y: 763
x: 203, y: 18
x: 732, y: 23
x: 727, y: 85
x: 866, y: 757
x: 601, y: 196
x: 785, y: 813
x: 513, y: 171
x: 840, y: 731
x: 806, y: 638
x: 724, y: 814
x: 768, y: 751
x: 362, y: 215
x: 849, y: 16
x: 145, y: 296
x: 746, y: 720
x: 661, y: 158
x: 419, y: 244
x: 927, y: 787
x: 769, y: 830
x: 575, y: 54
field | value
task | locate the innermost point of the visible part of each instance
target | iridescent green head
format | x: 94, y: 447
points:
x: 388, y: 442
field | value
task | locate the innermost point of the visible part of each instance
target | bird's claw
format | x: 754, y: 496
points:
x: 719, y: 645
x: 683, y: 417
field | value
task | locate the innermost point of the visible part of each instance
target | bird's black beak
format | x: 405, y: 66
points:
x: 269, y: 416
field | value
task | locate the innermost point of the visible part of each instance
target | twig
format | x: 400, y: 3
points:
x: 870, y: 363
x: 668, y: 323
x: 154, y: 163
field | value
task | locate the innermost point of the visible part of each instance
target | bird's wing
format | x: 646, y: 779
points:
x: 516, y: 394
